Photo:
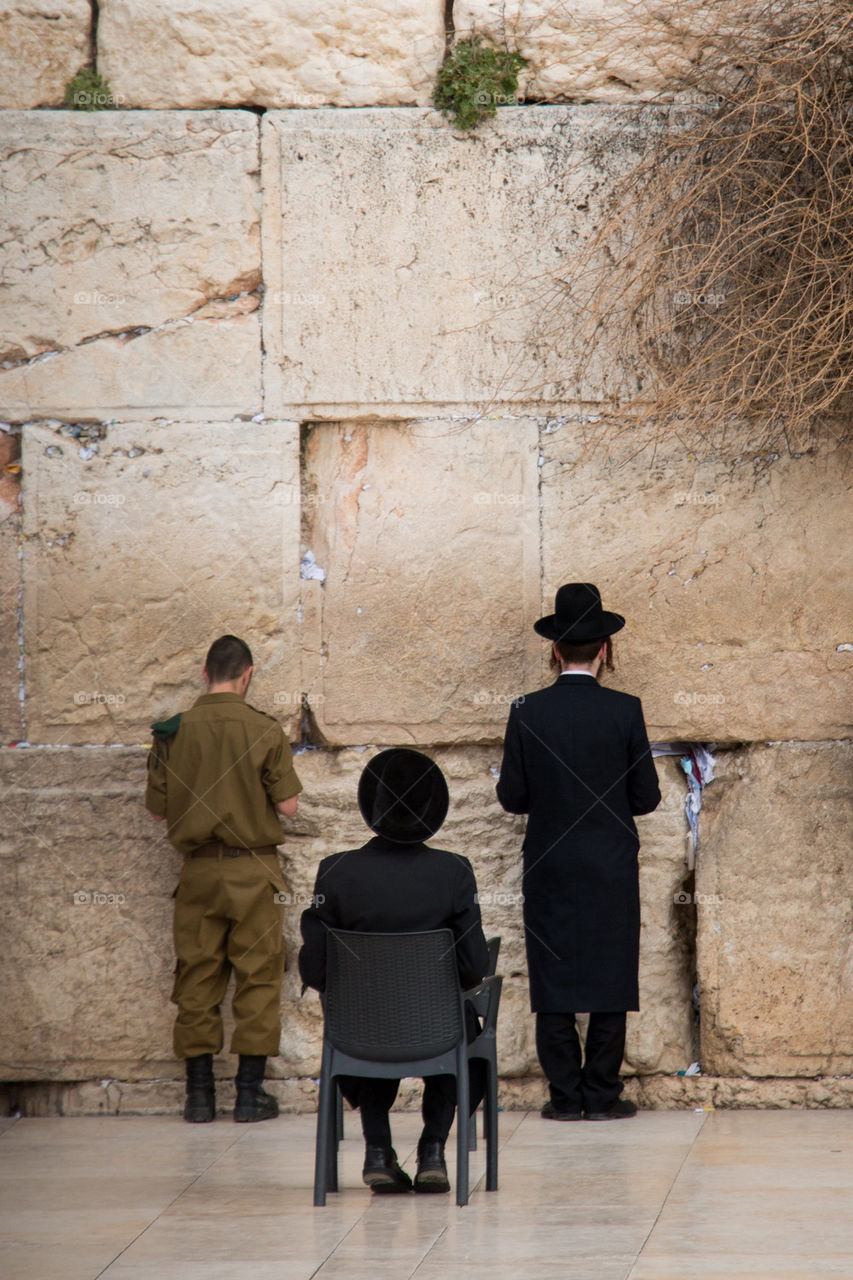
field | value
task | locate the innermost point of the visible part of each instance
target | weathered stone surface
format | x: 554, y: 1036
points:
x: 165, y: 1096
x: 11, y: 726
x: 182, y: 369
x: 426, y: 265
x: 136, y: 558
x: 133, y: 256
x: 733, y: 574
x: 86, y: 983
x: 43, y: 43
x: 595, y: 50
x: 428, y: 537
x: 291, y: 53
x: 662, y: 1036
x: 774, y: 917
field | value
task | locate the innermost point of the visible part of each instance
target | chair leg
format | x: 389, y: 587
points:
x: 490, y: 1124
x: 472, y: 1132
x: 462, y: 1129
x: 321, y: 1160
x: 339, y: 1113
x: 325, y: 1151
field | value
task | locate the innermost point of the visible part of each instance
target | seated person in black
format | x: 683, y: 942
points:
x: 396, y: 883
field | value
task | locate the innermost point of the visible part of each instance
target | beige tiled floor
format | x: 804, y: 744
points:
x: 668, y: 1196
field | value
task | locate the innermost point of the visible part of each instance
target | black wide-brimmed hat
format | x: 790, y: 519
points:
x: 403, y: 796
x: 578, y: 617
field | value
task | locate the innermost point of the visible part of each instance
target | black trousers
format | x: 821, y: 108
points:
x: 595, y: 1085
x: 375, y: 1098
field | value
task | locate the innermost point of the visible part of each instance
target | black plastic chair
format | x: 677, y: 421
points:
x: 393, y: 1007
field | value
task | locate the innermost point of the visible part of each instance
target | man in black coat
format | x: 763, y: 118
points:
x: 577, y: 761
x: 396, y: 883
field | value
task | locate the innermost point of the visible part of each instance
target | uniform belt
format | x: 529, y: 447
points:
x: 228, y: 850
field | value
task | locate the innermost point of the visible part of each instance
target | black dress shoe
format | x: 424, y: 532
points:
x: 550, y: 1112
x: 432, y: 1171
x: 382, y: 1173
x: 622, y: 1109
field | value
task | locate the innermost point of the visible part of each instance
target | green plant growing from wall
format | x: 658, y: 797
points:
x: 475, y: 80
x: 87, y: 91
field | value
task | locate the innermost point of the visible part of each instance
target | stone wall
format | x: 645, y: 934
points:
x: 284, y: 374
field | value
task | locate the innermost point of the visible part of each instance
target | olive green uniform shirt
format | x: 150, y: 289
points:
x: 219, y: 776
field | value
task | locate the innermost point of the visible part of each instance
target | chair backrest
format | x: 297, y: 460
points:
x: 392, y: 997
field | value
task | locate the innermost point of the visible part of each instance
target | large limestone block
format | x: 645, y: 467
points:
x: 733, y: 573
x: 775, y: 888
x: 141, y: 553
x: 283, y: 53
x: 423, y: 259
x: 662, y: 1036
x: 196, y: 368
x: 132, y: 260
x: 43, y: 43
x: 428, y: 537
x: 10, y: 588
x: 86, y: 882
x: 595, y: 50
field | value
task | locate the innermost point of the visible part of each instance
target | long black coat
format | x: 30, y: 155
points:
x: 391, y: 888
x: 577, y: 760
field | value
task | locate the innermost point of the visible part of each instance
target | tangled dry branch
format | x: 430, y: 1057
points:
x: 723, y: 269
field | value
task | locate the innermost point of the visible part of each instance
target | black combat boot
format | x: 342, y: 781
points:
x: 253, y: 1102
x: 200, y: 1105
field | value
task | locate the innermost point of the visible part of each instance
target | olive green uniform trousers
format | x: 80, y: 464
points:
x: 228, y: 916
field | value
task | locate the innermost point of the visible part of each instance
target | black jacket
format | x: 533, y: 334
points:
x: 385, y: 887
x: 577, y: 761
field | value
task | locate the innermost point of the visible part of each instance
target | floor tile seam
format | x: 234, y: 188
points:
x: 427, y: 1252
x: 697, y: 1135
x: 338, y: 1244
x: 173, y: 1201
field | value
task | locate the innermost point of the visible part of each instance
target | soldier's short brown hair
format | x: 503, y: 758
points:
x: 227, y: 659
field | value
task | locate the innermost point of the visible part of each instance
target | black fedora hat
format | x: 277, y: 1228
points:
x: 403, y: 796
x: 578, y: 617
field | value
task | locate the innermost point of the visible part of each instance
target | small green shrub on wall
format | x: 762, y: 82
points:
x: 475, y: 80
x: 87, y: 91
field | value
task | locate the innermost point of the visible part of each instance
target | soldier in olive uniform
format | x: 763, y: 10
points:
x: 220, y: 775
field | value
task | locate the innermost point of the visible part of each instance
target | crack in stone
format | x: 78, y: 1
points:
x: 130, y: 332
